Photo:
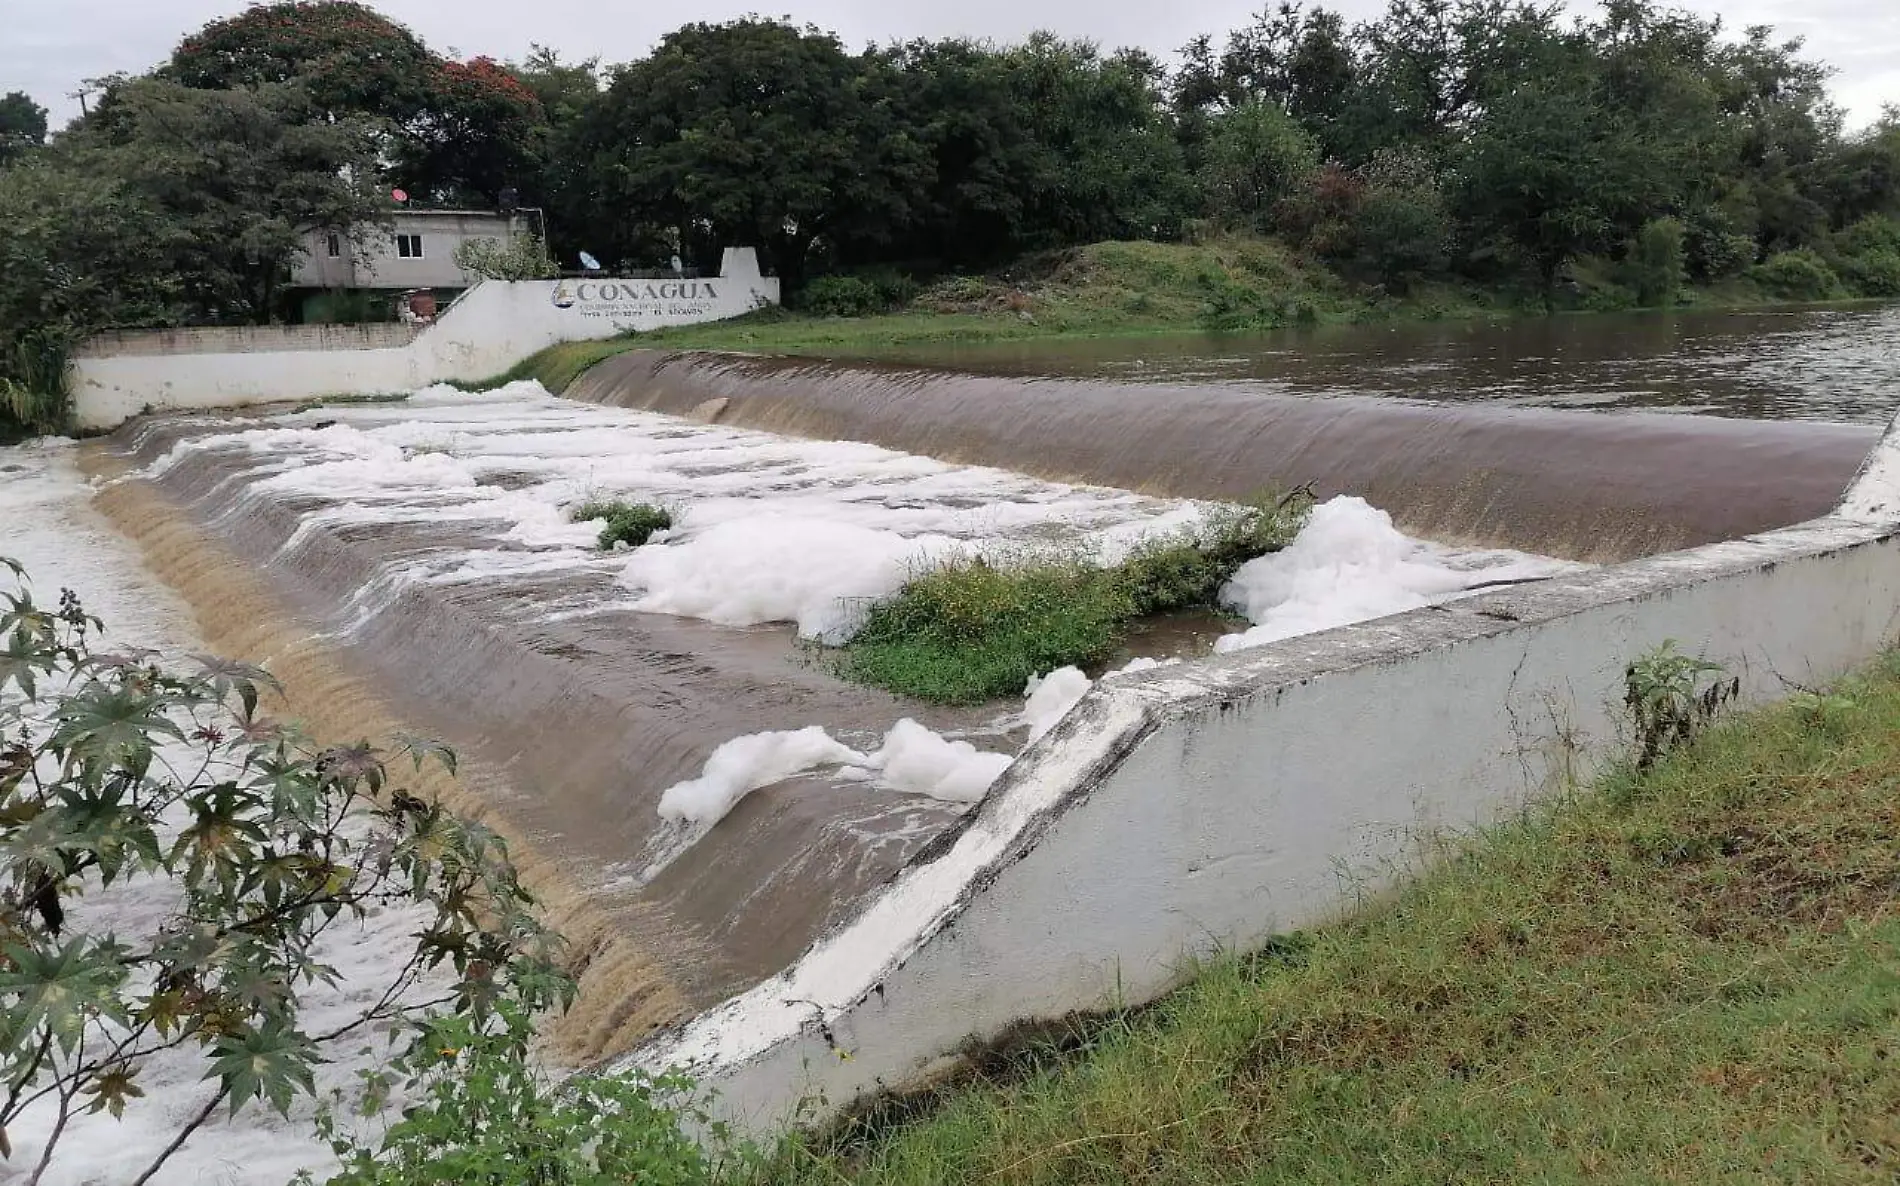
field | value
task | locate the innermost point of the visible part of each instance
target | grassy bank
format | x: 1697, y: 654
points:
x: 1235, y: 284
x: 1692, y: 975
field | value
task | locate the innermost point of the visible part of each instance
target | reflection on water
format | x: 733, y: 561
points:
x: 1801, y: 364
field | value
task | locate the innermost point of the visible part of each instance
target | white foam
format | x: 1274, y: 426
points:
x: 779, y: 568
x: 1050, y: 697
x: 1350, y: 564
x: 920, y: 761
x: 744, y: 764
x: 769, y: 528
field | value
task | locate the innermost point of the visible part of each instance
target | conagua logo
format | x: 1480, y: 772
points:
x: 607, y: 291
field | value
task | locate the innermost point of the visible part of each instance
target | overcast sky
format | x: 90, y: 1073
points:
x: 48, y: 46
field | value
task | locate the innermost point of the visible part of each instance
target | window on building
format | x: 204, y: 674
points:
x: 335, y: 246
x: 409, y: 246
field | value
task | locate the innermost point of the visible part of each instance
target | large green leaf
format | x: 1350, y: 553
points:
x: 271, y: 1063
x: 65, y: 987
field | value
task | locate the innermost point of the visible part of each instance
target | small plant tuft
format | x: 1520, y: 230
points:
x: 1671, y: 697
x: 629, y: 523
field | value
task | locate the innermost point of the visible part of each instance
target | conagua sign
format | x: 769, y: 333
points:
x: 634, y: 300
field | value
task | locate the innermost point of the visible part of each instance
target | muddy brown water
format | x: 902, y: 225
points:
x: 569, y: 729
x: 1840, y: 364
x: 1468, y: 434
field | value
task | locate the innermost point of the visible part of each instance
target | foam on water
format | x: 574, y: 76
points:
x: 767, y: 529
x: 747, y: 763
x: 1350, y: 564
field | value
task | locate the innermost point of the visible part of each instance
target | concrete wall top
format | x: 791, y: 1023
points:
x: 248, y: 339
x: 1214, y: 804
x: 489, y: 329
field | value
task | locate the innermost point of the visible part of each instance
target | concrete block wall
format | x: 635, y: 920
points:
x: 1218, y: 803
x: 489, y: 329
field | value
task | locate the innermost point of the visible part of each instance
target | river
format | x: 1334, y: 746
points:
x: 1790, y: 364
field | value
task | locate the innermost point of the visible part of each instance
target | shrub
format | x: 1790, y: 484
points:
x: 1658, y: 265
x: 248, y: 848
x: 522, y: 257
x: 1712, y: 248
x: 1870, y: 256
x: 1876, y: 274
x: 969, y: 631
x: 841, y: 296
x: 632, y: 524
x: 966, y: 632
x: 480, y: 1115
x: 1799, y: 275
x: 1401, y: 226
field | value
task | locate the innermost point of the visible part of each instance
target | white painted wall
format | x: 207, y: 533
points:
x: 1218, y: 803
x: 491, y: 328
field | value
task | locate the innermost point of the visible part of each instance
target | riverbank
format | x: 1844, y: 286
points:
x: 1682, y: 976
x: 1124, y: 290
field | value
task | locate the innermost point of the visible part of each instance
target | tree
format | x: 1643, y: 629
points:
x: 350, y: 59
x: 1549, y: 162
x: 249, y: 847
x: 752, y: 132
x: 1402, y: 227
x: 453, y: 132
x: 1118, y: 171
x: 481, y: 130
x: 22, y: 126
x: 985, y: 164
x: 237, y: 178
x: 1255, y: 156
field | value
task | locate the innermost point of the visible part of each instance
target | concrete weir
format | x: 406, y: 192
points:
x: 1214, y: 804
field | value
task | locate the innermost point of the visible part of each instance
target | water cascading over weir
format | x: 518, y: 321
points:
x: 1582, y: 485
x: 573, y: 712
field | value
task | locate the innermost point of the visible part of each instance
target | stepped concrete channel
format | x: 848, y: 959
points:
x: 1205, y: 805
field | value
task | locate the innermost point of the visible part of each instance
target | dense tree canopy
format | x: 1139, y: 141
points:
x: 22, y: 125
x: 1491, y: 140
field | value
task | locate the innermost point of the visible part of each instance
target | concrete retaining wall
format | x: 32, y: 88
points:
x: 491, y: 328
x: 1218, y: 803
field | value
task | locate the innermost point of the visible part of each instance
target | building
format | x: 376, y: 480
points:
x: 416, y: 250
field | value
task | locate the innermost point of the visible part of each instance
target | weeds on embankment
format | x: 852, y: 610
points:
x: 1687, y: 974
x: 968, y: 631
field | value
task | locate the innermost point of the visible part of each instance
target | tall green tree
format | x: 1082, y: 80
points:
x: 236, y: 178
x: 350, y: 59
x: 1255, y: 156
x: 751, y: 132
x: 22, y: 125
x: 1119, y: 171
x: 453, y: 132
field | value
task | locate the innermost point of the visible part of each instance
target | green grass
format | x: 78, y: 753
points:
x: 560, y: 364
x: 629, y: 523
x: 1687, y: 976
x: 967, y: 631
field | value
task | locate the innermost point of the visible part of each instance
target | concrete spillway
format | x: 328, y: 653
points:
x: 411, y: 566
x: 1581, y: 485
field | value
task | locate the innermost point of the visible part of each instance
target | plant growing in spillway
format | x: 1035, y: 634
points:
x: 967, y: 630
x: 629, y: 523
x: 178, y: 872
